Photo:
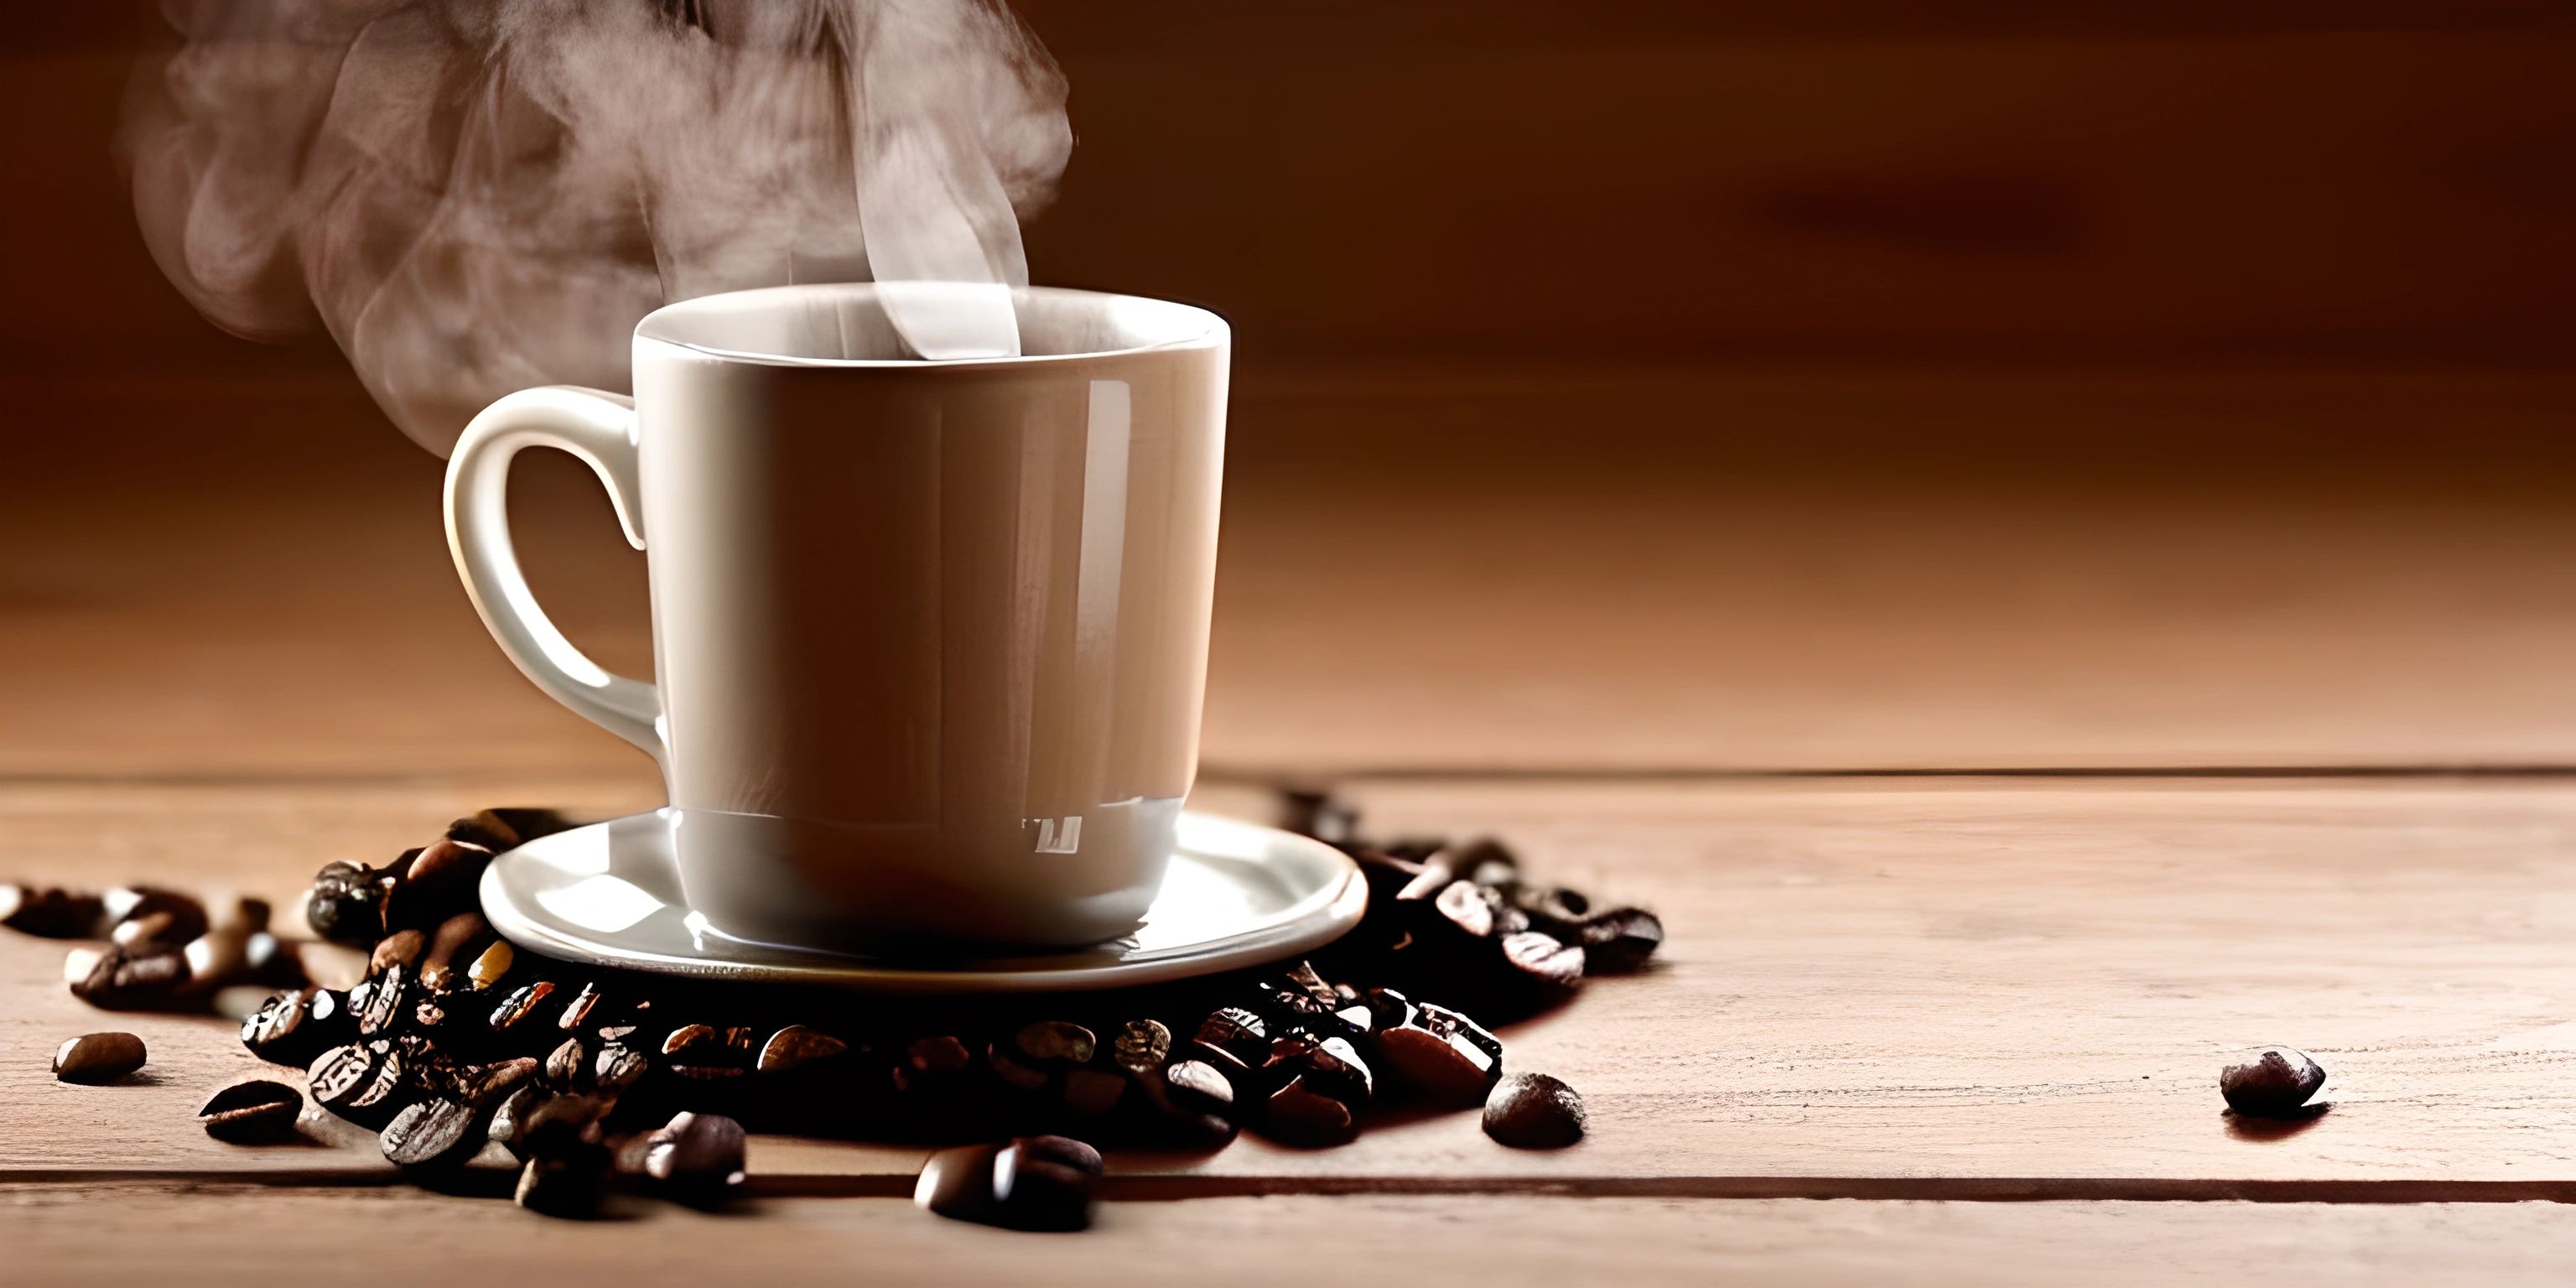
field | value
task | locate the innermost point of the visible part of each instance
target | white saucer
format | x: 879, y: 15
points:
x: 1238, y: 894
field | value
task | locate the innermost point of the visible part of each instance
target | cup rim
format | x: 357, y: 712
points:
x: 1211, y: 329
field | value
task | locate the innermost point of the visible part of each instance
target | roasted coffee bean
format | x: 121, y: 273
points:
x: 1302, y: 993
x: 567, y: 1068
x: 578, y: 1011
x: 485, y: 1085
x: 1307, y: 1119
x: 562, y: 1186
x: 1534, y: 1111
x: 249, y: 1113
x: 295, y: 1027
x: 381, y: 1003
x: 698, y: 1157
x: 118, y: 980
x: 1141, y: 1046
x: 1439, y: 1056
x: 1196, y: 1086
x: 1238, y: 1033
x: 347, y: 901
x: 217, y: 958
x: 1469, y: 907
x: 485, y: 829
x: 1040, y: 1052
x: 509, y: 1118
x: 274, y: 962
x: 50, y: 912
x: 453, y: 947
x: 561, y: 1126
x: 95, y: 1058
x: 1327, y: 1066
x: 797, y: 1046
x: 933, y: 1064
x: 149, y: 916
x: 516, y: 1010
x: 1620, y: 940
x: 2277, y: 1082
x: 1388, y: 877
x: 1553, y: 909
x: 1032, y: 1183
x: 618, y: 1068
x: 434, y: 1134
x: 363, y: 1083
x: 401, y: 948
x: 1387, y: 1008
x: 441, y: 883
x: 1431, y: 875
x: 1543, y: 962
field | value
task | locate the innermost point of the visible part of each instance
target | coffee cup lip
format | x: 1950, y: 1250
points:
x: 1171, y: 325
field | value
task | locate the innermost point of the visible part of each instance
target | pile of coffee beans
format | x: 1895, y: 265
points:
x: 449, y: 1042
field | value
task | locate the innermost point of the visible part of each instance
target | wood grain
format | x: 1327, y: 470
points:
x: 217, y: 1234
x: 2019, y: 989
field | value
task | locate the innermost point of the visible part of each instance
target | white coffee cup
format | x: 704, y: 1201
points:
x: 930, y: 637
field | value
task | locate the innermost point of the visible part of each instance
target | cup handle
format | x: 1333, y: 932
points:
x: 598, y: 428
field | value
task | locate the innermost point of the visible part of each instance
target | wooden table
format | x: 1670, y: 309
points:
x: 1967, y: 905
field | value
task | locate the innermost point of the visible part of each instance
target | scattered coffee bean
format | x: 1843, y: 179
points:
x: 294, y: 1028
x: 118, y: 980
x: 796, y: 1046
x: 1031, y: 1183
x: 1469, y: 907
x: 1442, y: 1056
x: 618, y: 1068
x: 2277, y: 1082
x: 441, y: 882
x: 1142, y: 1046
x: 485, y: 829
x: 1039, y: 1053
x: 577, y: 1012
x: 434, y: 1133
x: 380, y: 1001
x: 1235, y: 1032
x: 514, y: 1013
x: 149, y: 916
x: 1620, y: 940
x: 491, y: 965
x: 253, y: 1112
x: 1534, y: 1111
x: 401, y: 948
x: 567, y: 1068
x: 697, y: 1156
x: 95, y: 1058
x: 1295, y: 1115
x: 1544, y: 962
x: 50, y: 912
x: 347, y: 902
x: 453, y: 947
x: 1327, y: 1066
x: 1487, y: 862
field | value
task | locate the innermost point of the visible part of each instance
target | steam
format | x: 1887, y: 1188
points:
x: 474, y: 196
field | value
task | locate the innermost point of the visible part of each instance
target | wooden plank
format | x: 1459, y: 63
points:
x: 217, y: 1234
x: 1428, y: 568
x: 2018, y: 989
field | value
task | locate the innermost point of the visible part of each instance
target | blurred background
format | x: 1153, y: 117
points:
x: 1621, y: 387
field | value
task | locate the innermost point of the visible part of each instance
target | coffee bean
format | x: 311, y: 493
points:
x: 149, y: 916
x: 1141, y: 1046
x: 1302, y: 993
x: 118, y: 980
x: 401, y: 948
x: 579, y: 1010
x: 434, y: 1134
x: 2277, y: 1082
x: 1431, y: 876
x: 1543, y: 962
x: 1534, y: 1111
x: 1327, y: 1066
x: 1298, y: 1116
x: 1040, y: 1052
x: 453, y: 947
x: 516, y: 1012
x: 295, y: 1027
x: 1388, y: 1009
x: 486, y: 1085
x: 1554, y: 909
x: 1388, y: 877
x: 532, y: 1124
x: 1238, y: 1033
x: 50, y: 912
x: 1487, y: 862
x: 933, y: 1064
x: 1468, y: 907
x: 95, y: 1058
x: 1620, y: 940
x: 442, y: 882
x: 217, y: 958
x: 381, y: 1002
x: 796, y: 1046
x: 252, y: 1112
x: 509, y: 1118
x: 1031, y: 1183
x: 618, y: 1068
x: 1438, y: 1059
x: 1196, y: 1086
x: 492, y: 964
x: 485, y: 829
x: 697, y: 1156
x: 347, y: 901
x: 363, y: 1083
x: 562, y: 1186
x: 567, y: 1068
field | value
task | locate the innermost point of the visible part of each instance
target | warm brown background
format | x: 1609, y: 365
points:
x: 1636, y: 386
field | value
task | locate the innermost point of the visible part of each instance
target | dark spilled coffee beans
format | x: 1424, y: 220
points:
x: 253, y: 1112
x: 50, y: 912
x: 95, y: 1058
x: 434, y: 1133
x: 2277, y: 1082
x: 1534, y: 1111
x: 1029, y: 1183
x: 697, y: 1156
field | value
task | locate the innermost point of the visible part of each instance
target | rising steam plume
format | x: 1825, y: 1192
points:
x: 474, y: 196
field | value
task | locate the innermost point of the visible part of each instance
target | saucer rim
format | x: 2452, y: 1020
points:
x: 1326, y: 915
